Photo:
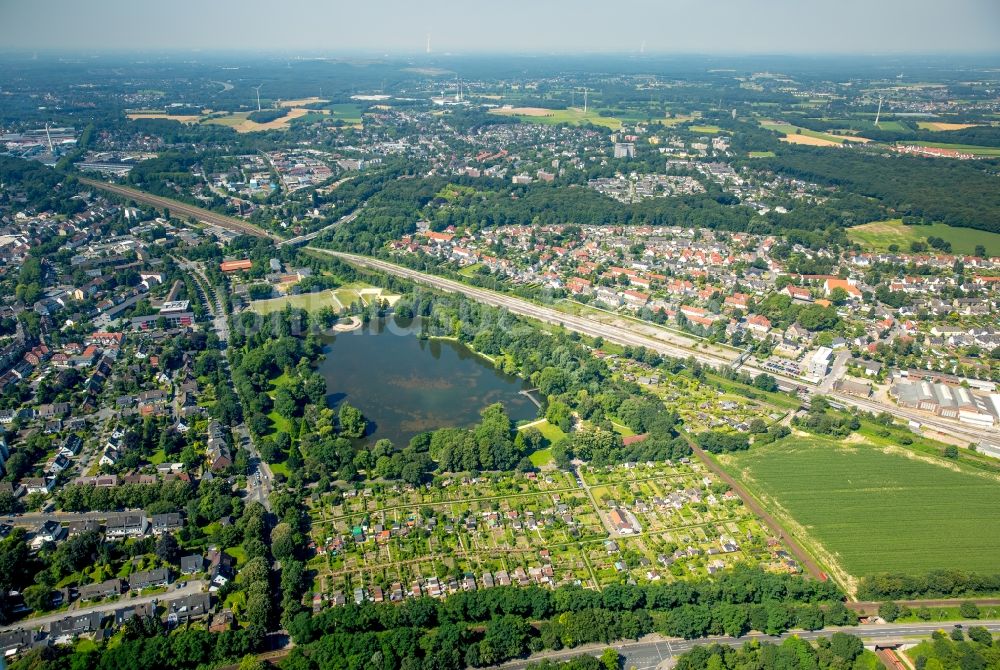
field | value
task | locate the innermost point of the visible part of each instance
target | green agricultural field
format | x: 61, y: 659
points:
x: 572, y: 115
x: 706, y: 129
x: 878, y: 235
x: 346, y: 112
x: 863, y: 124
x: 863, y: 509
x: 761, y: 154
x: 307, y: 301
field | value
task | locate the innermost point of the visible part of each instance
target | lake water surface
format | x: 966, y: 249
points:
x: 405, y: 385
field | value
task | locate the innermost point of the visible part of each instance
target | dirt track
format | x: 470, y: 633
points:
x: 807, y: 563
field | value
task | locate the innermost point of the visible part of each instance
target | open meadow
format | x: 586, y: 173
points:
x: 879, y: 235
x: 862, y: 509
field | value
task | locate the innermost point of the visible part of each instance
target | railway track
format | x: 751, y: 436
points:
x: 177, y: 207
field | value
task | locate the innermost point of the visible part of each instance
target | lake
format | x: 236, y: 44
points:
x: 405, y: 385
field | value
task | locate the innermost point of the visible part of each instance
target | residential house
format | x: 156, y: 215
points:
x: 129, y: 524
x: 106, y: 589
x: 138, y: 581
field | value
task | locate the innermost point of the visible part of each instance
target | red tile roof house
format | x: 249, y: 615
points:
x: 740, y: 300
x: 636, y: 298
x: 831, y: 284
x: 234, y: 266
x: 759, y: 324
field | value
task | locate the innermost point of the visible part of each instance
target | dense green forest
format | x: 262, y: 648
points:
x: 959, y: 193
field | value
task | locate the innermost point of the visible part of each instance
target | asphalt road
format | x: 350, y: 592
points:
x: 655, y: 651
x: 186, y: 589
x: 260, y: 478
x: 628, y: 337
x: 34, y: 519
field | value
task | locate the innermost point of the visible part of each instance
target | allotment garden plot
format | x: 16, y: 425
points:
x: 547, y: 529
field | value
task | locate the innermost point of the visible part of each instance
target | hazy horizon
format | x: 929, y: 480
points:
x: 681, y: 27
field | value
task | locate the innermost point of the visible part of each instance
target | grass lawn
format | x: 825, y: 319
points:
x: 238, y: 554
x: 622, y: 429
x: 761, y: 154
x: 470, y: 270
x: 280, y: 423
x: 705, y: 129
x: 306, y: 301
x: 550, y: 432
x: 158, y: 457
x: 540, y: 458
x: 279, y: 468
x: 878, y: 235
x: 863, y: 509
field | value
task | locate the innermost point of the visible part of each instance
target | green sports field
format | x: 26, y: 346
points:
x: 878, y: 235
x: 863, y: 509
x: 306, y: 301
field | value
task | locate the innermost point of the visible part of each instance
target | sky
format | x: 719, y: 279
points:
x: 506, y: 26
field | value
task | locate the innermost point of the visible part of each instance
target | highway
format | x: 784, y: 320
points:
x: 177, y: 207
x: 655, y: 651
x: 624, y: 336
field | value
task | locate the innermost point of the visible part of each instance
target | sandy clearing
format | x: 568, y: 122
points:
x: 811, y: 141
x: 248, y: 126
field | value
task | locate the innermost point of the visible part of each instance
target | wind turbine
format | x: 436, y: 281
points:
x: 257, y: 88
x: 879, y: 112
x: 585, y: 89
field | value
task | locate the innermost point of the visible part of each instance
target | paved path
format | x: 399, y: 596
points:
x: 187, y: 589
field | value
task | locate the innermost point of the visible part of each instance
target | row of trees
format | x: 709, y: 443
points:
x: 935, y: 584
x: 839, y: 651
x: 487, y: 627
